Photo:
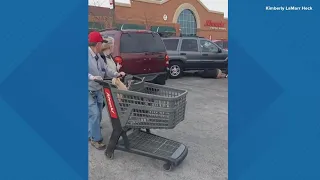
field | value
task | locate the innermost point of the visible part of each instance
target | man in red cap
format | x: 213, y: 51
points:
x: 97, y: 71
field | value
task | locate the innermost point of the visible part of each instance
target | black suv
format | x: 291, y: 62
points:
x: 194, y: 53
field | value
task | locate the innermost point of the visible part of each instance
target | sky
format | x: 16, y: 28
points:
x: 215, y: 5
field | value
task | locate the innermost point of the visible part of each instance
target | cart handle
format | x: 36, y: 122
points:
x: 126, y: 78
x: 101, y: 82
x: 104, y: 83
x: 129, y: 77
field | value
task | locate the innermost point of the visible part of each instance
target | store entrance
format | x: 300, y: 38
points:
x: 188, y: 23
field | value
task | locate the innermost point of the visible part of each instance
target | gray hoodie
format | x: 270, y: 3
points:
x: 98, y: 68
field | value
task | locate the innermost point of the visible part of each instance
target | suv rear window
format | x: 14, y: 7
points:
x: 141, y: 42
x: 171, y: 44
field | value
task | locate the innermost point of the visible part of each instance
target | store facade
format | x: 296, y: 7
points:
x: 178, y: 17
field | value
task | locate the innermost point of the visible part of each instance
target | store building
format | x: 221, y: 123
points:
x: 178, y: 17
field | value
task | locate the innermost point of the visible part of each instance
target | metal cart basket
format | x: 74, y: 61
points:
x: 145, y: 106
x: 150, y: 106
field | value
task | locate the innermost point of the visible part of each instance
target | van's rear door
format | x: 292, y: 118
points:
x: 132, y: 54
x: 156, y: 53
x: 143, y: 52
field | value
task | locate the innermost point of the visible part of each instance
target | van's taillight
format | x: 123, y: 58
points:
x: 118, y: 59
x: 167, y: 60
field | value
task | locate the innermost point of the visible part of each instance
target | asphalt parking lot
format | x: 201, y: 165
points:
x: 204, y: 131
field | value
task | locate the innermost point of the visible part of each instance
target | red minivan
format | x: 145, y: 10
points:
x: 141, y: 53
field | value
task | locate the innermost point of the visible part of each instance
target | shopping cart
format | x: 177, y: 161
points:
x: 143, y: 107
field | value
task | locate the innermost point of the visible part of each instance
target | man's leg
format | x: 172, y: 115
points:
x: 100, y: 102
x: 94, y: 121
x: 89, y: 124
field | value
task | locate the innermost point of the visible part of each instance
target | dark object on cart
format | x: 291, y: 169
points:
x: 143, y: 107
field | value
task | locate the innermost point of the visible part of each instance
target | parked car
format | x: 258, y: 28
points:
x: 194, y: 53
x: 141, y: 53
x: 222, y: 43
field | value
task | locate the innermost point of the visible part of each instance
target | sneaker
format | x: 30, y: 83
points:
x: 227, y: 76
x: 98, y: 145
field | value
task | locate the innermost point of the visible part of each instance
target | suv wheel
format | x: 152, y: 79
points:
x: 175, y: 70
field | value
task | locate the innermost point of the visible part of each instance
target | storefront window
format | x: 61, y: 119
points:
x: 188, y: 23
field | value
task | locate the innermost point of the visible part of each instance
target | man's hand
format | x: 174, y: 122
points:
x: 121, y: 74
x: 92, y: 78
x: 98, y: 78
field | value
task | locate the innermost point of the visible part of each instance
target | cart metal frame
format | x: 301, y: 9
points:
x: 148, y: 145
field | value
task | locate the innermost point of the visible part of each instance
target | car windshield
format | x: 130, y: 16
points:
x: 222, y: 44
x: 219, y: 43
x: 141, y: 42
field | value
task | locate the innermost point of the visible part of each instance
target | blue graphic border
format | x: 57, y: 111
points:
x: 43, y: 90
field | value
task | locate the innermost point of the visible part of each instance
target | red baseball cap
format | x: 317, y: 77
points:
x: 95, y: 37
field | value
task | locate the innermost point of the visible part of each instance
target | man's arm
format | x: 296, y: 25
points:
x: 111, y: 73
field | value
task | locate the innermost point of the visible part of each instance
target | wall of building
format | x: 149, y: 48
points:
x: 100, y: 15
x: 151, y: 13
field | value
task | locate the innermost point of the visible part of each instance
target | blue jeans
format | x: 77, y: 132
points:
x: 95, y: 114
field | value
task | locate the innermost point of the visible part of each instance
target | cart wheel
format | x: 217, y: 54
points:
x: 109, y: 156
x: 167, y: 167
